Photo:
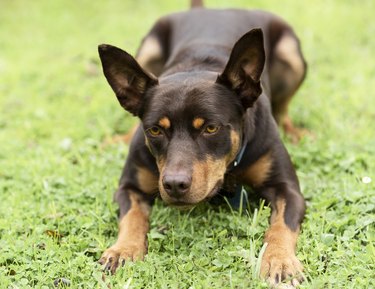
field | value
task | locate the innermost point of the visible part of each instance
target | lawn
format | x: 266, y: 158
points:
x: 57, y: 178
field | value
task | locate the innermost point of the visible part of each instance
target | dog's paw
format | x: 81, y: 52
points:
x: 295, y: 134
x: 281, y: 268
x: 117, y: 255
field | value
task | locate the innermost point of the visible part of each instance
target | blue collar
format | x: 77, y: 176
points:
x: 239, y: 197
x: 239, y: 156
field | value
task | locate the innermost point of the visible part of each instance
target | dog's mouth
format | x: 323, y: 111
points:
x: 214, y: 190
x: 182, y: 205
x: 185, y: 205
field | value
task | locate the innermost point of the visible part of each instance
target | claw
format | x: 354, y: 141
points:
x: 114, y: 267
x: 102, y: 260
x: 122, y: 262
x: 277, y: 278
x: 107, y: 266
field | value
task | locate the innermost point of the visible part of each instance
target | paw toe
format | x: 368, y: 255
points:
x: 282, y: 271
x: 115, y: 257
x: 109, y: 260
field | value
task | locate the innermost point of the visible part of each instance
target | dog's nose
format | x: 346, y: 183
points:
x: 176, y: 185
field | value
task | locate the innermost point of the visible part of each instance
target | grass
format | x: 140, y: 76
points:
x: 57, y: 180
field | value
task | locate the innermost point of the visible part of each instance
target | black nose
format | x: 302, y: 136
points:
x: 176, y: 185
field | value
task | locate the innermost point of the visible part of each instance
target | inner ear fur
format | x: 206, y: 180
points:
x: 244, y: 68
x: 126, y: 77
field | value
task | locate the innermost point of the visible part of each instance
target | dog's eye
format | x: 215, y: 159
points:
x: 154, y: 131
x: 211, y: 129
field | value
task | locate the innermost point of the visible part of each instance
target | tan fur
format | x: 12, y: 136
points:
x: 165, y: 122
x: 198, y: 123
x: 291, y: 68
x: 295, y: 133
x: 160, y: 162
x: 147, y: 143
x: 279, y: 259
x: 287, y: 50
x: 147, y: 181
x: 125, y: 138
x: 235, y: 139
x: 278, y: 227
x: 205, y: 176
x: 258, y: 172
x: 150, y: 55
x: 131, y: 243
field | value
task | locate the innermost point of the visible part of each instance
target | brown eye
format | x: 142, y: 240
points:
x: 210, y: 129
x: 154, y: 131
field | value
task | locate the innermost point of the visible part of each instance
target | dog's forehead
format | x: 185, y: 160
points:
x: 181, y: 100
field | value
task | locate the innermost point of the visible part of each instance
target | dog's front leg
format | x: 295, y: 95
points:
x: 279, y: 262
x: 131, y: 243
x: 273, y: 177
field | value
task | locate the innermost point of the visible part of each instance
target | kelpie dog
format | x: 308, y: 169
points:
x: 209, y: 87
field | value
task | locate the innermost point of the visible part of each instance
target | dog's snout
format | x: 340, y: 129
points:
x: 176, y: 185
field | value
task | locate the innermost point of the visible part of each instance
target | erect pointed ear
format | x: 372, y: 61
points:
x: 127, y: 79
x: 245, y: 66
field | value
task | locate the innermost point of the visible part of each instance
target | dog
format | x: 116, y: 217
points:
x: 210, y: 88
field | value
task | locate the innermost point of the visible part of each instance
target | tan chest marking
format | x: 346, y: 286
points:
x: 147, y: 181
x: 259, y: 171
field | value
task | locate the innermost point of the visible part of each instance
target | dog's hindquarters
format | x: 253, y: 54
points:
x: 287, y: 70
x: 154, y: 49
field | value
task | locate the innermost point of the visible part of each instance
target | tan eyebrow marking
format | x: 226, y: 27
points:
x: 165, y: 123
x: 198, y: 122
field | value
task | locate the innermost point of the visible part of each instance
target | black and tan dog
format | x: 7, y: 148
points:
x: 209, y: 87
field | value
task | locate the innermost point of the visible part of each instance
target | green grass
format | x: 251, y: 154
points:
x: 57, y: 181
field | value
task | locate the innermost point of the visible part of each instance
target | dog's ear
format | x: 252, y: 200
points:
x: 244, y: 68
x: 127, y: 79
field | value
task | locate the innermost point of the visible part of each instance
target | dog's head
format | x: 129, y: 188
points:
x: 192, y: 121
